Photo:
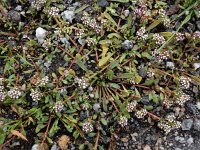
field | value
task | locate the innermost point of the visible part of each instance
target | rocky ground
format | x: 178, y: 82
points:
x: 138, y: 133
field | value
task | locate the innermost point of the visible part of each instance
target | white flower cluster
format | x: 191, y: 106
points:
x: 159, y: 39
x: 167, y: 103
x: 46, y: 44
x: 132, y: 81
x: 91, y: 41
x: 141, y: 10
x: 141, y: 33
x: 87, y: 127
x: 196, y: 35
x: 180, y: 36
x: 150, y: 73
x: 38, y: 4
x: 58, y: 107
x: 184, y: 82
x: 53, y: 11
x: 123, y: 121
x: 167, y: 22
x: 79, y: 32
x: 85, y: 106
x: 2, y: 93
x: 162, y: 12
x: 14, y: 93
x: 131, y: 106
x: 82, y: 82
x: 182, y: 98
x: 160, y: 56
x: 141, y: 113
x: 91, y: 22
x: 169, y: 123
x: 43, y: 81
x: 35, y: 95
x: 104, y: 22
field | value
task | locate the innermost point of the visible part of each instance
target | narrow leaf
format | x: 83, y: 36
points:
x: 154, y: 24
x: 17, y: 133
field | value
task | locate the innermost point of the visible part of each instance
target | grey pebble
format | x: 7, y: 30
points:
x: 190, y: 140
x: 186, y: 124
x: 103, y: 3
x: 198, y: 24
x: 191, y: 108
x: 14, y: 16
x: 127, y: 45
x: 197, y: 124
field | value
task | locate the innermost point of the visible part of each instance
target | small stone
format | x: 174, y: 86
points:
x: 198, y: 24
x: 14, y: 16
x: 126, y: 12
x: 63, y: 142
x: 68, y: 15
x: 125, y: 140
x: 96, y: 107
x: 198, y: 105
x: 18, y: 8
x: 142, y: 72
x: 127, y: 45
x: 35, y: 147
x: 170, y: 64
x: 187, y: 124
x: 103, y: 3
x: 197, y: 124
x: 190, y: 140
x: 40, y: 34
x: 191, y: 108
x: 178, y: 148
x: 147, y: 147
x: 54, y: 147
x: 145, y: 100
x: 196, y: 65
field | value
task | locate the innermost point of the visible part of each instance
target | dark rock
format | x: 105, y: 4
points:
x: 14, y: 16
x: 127, y: 45
x: 197, y: 124
x: 96, y: 107
x: 145, y: 100
x: 198, y: 24
x: 172, y: 10
x: 103, y: 3
x: 142, y: 72
x: 78, y: 17
x: 191, y: 108
x: 186, y: 124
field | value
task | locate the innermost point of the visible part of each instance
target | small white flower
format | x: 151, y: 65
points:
x: 141, y: 113
x: 58, y: 107
x: 14, y: 93
x: 123, y: 121
x: 35, y: 95
x: 131, y: 106
x: 87, y: 127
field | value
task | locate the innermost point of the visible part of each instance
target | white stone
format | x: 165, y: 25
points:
x: 68, y: 15
x: 196, y: 65
x: 35, y: 147
x: 170, y: 64
x: 40, y: 34
x: 198, y: 105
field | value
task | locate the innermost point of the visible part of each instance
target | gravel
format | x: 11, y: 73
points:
x: 15, y: 16
x: 191, y: 108
x: 40, y: 34
x: 103, y: 3
x: 68, y: 15
x: 197, y: 124
x: 186, y: 124
x: 127, y: 45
